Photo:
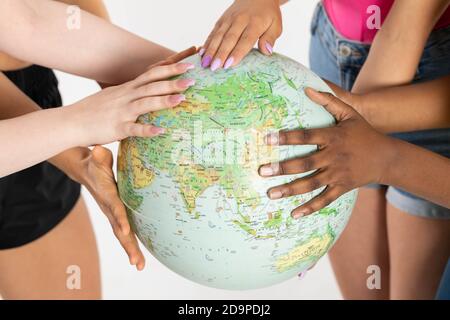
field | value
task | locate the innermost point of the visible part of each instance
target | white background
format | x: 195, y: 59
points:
x: 178, y: 24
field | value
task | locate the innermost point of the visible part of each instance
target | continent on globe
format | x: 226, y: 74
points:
x: 194, y: 196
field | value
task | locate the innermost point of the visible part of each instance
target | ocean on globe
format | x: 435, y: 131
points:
x: 194, y: 196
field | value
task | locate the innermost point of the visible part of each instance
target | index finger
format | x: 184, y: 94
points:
x: 246, y: 43
x: 177, y: 57
x: 302, y: 136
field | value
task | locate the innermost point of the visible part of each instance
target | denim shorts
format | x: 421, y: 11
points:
x: 339, y: 60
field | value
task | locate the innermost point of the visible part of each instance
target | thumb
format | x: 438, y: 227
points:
x: 334, y: 105
x: 102, y: 156
x: 267, y: 40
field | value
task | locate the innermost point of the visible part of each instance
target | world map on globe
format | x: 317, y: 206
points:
x: 194, y: 196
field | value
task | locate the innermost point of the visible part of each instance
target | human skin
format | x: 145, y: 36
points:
x: 107, y: 116
x: 241, y: 25
x: 353, y: 154
x: 400, y: 108
x: 91, y: 168
x: 346, y: 160
x: 46, y: 17
x: 39, y: 270
x: 403, y: 108
x: 397, y: 47
x: 42, y: 25
x: 63, y: 245
x: 392, y: 61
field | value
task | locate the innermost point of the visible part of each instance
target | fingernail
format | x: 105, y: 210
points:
x: 272, y: 139
x: 158, y: 130
x: 216, y: 64
x: 187, y: 66
x: 201, y: 52
x: 228, y: 63
x: 269, y: 47
x: 186, y: 83
x: 302, y: 275
x: 206, y: 61
x: 298, y: 214
x: 266, y: 171
x: 178, y: 98
x: 275, y: 195
x: 311, y: 90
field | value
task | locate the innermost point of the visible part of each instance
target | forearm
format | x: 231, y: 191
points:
x: 33, y: 138
x: 408, y: 108
x: 419, y: 171
x: 37, y: 31
x: 398, y: 46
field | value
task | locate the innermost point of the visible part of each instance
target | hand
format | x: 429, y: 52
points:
x: 93, y: 169
x: 351, y: 154
x: 111, y: 114
x: 238, y: 29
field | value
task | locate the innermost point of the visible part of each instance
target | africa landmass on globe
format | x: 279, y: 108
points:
x: 194, y: 196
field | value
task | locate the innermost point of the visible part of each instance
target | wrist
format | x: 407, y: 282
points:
x: 72, y: 163
x: 390, y: 159
x: 358, y: 102
x: 77, y: 122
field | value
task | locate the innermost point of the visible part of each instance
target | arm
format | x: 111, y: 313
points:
x: 107, y: 116
x: 347, y: 160
x: 422, y: 172
x: 405, y: 108
x: 398, y: 46
x: 97, y: 50
x: 26, y: 130
x: 93, y: 169
x: 110, y: 115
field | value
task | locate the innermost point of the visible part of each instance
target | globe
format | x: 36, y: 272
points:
x: 194, y: 196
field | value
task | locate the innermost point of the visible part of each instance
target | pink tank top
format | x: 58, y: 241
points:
x: 352, y: 18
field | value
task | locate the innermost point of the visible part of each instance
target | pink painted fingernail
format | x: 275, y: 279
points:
x: 186, y: 83
x: 201, y: 52
x: 269, y: 47
x: 228, y: 63
x: 187, y: 66
x: 158, y: 130
x: 216, y: 64
x: 302, y: 275
x: 178, y: 98
x: 206, y: 61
